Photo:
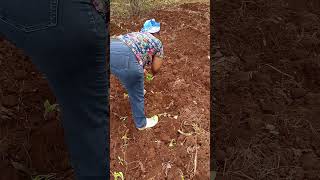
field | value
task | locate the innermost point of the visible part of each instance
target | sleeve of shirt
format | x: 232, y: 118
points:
x: 160, y: 52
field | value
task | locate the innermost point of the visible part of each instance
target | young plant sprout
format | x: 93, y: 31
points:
x: 48, y: 108
x: 149, y: 77
x: 117, y: 175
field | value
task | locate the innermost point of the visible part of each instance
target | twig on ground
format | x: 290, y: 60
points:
x: 139, y: 165
x: 224, y: 167
x: 241, y: 174
x: 313, y: 130
x: 195, y: 161
x: 166, y: 166
x: 279, y: 71
x: 269, y: 171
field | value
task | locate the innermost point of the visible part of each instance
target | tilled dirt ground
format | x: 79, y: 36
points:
x: 29, y: 143
x: 179, y: 94
x: 266, y: 96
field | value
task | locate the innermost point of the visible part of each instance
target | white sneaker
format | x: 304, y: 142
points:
x: 144, y: 92
x: 151, y: 122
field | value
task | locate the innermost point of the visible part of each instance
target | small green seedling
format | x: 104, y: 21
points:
x: 149, y: 77
x: 117, y: 175
x: 48, y: 108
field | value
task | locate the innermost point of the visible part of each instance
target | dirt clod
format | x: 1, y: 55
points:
x: 9, y: 100
x: 308, y: 161
x: 165, y: 138
x: 220, y: 155
x: 313, y: 98
x: 298, y: 92
x: 20, y: 74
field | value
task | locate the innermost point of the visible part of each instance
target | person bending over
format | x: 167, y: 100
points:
x: 130, y: 55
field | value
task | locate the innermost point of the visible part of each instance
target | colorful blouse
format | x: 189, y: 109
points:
x: 144, y: 45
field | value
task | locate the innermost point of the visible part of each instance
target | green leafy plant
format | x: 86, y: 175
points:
x: 117, y: 175
x: 149, y: 77
x: 48, y: 108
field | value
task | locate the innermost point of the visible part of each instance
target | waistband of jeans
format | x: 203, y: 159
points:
x: 119, y: 41
x: 114, y: 39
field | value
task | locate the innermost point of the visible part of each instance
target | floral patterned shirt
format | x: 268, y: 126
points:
x: 144, y: 45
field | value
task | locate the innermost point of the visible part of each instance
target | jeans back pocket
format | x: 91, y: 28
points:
x: 29, y: 15
x: 119, y: 61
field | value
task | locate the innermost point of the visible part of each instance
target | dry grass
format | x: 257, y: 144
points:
x: 128, y: 8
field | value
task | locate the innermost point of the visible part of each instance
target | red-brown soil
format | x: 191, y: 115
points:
x: 28, y: 141
x: 266, y: 96
x: 181, y: 89
x: 32, y: 143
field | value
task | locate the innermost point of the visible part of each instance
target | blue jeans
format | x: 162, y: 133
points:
x: 124, y: 65
x: 66, y: 40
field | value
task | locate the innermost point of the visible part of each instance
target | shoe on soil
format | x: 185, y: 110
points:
x: 151, y: 122
x: 144, y: 92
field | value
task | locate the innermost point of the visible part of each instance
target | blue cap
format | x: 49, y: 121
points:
x: 151, y: 26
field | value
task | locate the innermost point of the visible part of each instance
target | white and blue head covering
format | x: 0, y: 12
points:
x: 151, y: 26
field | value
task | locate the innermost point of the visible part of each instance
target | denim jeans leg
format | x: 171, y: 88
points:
x: 66, y: 40
x: 125, y: 67
x: 135, y: 87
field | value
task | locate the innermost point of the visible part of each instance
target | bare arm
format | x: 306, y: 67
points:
x: 156, y: 64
